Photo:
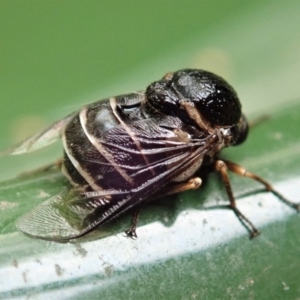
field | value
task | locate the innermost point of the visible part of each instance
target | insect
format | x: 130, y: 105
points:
x: 122, y: 151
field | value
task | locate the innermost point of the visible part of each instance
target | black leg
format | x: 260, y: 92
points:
x: 131, y: 232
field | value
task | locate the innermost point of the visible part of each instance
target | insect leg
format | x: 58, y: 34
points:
x: 131, y: 232
x: 221, y: 166
x: 239, y: 170
x: 43, y: 169
x: 173, y: 188
x: 258, y: 120
x: 178, y: 187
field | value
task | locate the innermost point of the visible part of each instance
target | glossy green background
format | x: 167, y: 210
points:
x: 56, y: 56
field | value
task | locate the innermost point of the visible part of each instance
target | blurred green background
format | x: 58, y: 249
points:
x: 56, y: 56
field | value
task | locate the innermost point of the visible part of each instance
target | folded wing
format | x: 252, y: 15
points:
x: 163, y: 156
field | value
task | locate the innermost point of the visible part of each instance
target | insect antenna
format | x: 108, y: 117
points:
x: 258, y: 120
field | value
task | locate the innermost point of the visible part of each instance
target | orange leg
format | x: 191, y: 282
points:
x: 239, y: 170
x: 222, y: 167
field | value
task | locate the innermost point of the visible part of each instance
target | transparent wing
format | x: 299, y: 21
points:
x: 41, y: 139
x: 67, y: 215
x: 47, y: 220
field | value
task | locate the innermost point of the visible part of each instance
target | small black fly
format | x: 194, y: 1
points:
x: 122, y: 151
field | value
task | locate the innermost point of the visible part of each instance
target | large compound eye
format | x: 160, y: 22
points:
x: 240, y: 131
